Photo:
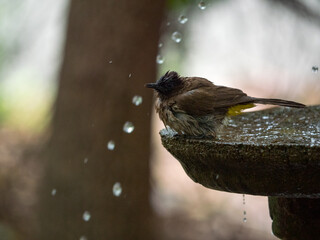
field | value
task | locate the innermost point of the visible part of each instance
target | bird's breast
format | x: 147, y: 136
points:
x: 163, y: 108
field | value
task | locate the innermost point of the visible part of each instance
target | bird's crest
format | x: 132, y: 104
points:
x: 168, y: 84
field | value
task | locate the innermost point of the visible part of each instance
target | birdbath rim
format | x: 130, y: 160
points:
x: 274, y: 152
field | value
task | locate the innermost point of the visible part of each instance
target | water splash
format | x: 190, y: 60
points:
x: 128, y: 127
x: 176, y: 36
x: 244, y: 216
x: 315, y: 69
x: 137, y: 100
x: 53, y: 192
x: 244, y: 210
x: 117, y: 189
x: 182, y: 19
x: 111, y: 145
x: 202, y: 5
x: 86, y: 216
x: 160, y: 59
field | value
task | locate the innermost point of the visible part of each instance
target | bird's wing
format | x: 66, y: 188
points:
x: 205, y: 100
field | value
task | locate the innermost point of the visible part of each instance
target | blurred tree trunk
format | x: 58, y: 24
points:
x: 110, y: 54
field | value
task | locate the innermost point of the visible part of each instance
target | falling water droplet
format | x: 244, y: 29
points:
x: 137, y: 100
x: 168, y: 23
x: 202, y: 5
x: 128, y: 127
x: 86, y: 216
x: 244, y: 211
x: 85, y: 161
x: 130, y: 75
x: 217, y: 176
x: 117, y: 189
x: 315, y: 69
x: 160, y: 45
x: 176, y: 36
x: 244, y: 216
x: 83, y: 238
x: 53, y: 192
x: 160, y: 59
x: 111, y: 145
x: 110, y: 61
x: 182, y: 19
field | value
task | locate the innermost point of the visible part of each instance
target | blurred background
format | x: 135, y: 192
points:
x: 268, y: 48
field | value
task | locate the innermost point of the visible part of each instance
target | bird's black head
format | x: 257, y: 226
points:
x: 167, y: 84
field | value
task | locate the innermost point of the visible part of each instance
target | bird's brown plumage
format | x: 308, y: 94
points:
x: 200, y: 96
x: 195, y: 106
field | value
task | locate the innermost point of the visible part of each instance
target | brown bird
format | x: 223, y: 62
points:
x: 195, y: 106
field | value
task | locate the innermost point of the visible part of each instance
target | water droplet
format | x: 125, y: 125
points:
x: 110, y: 61
x: 86, y: 216
x: 168, y: 23
x: 53, y: 192
x: 130, y: 75
x: 182, y: 19
x: 202, y: 5
x: 160, y: 45
x: 137, y: 100
x: 176, y: 36
x: 111, y: 145
x: 217, y: 176
x: 128, y: 127
x: 160, y: 59
x: 312, y: 142
x: 83, y: 238
x: 244, y: 217
x: 315, y: 69
x: 117, y: 189
x: 244, y: 211
x: 85, y: 161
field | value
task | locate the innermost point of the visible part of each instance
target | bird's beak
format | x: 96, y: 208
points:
x: 151, y: 85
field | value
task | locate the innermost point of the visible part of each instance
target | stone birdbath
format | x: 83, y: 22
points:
x: 274, y: 153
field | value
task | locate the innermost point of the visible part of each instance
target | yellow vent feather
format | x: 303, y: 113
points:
x: 236, y: 110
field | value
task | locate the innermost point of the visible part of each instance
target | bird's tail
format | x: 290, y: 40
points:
x: 279, y: 102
